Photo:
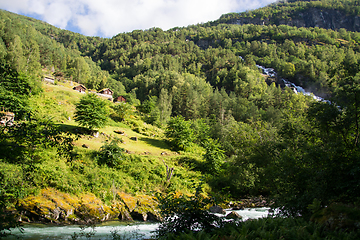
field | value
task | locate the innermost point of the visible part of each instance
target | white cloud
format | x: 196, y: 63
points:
x: 110, y: 17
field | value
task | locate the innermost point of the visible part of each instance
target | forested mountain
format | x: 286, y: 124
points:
x: 201, y: 85
x: 329, y: 14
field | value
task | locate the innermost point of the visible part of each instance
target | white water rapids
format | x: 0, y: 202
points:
x: 128, y: 231
x: 297, y: 89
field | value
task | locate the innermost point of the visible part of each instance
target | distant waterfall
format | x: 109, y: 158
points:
x: 297, y: 89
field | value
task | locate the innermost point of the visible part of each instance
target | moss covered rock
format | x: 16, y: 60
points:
x: 123, y: 213
x: 129, y: 200
x: 146, y: 209
x: 92, y: 209
x: 51, y: 205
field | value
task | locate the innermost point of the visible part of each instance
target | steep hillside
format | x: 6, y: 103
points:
x: 328, y: 14
x: 198, y: 106
x: 69, y: 165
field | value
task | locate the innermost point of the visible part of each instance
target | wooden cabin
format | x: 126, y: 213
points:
x: 106, y: 91
x: 80, y: 88
x: 120, y: 99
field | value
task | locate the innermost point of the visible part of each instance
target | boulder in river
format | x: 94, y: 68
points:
x: 233, y: 215
x: 217, y: 209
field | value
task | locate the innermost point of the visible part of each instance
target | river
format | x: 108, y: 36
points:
x: 128, y: 231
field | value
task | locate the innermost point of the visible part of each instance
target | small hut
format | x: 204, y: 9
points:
x: 106, y: 91
x: 119, y: 99
x: 80, y: 88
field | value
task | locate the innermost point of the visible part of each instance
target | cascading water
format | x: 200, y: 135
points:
x: 272, y: 73
x: 103, y: 231
x: 297, y: 89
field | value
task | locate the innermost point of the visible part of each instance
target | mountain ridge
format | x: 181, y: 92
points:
x: 328, y: 14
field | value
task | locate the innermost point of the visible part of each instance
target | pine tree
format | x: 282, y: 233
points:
x: 164, y: 106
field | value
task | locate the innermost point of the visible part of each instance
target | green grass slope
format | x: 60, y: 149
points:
x: 143, y: 164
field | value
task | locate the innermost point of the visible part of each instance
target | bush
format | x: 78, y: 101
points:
x: 182, y: 214
x: 180, y: 133
x: 270, y: 228
x: 111, y: 154
x: 120, y: 111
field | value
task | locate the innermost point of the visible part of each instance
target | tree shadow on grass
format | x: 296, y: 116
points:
x: 156, y: 143
x: 74, y: 129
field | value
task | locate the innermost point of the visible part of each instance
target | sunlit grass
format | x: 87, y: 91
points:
x: 58, y: 103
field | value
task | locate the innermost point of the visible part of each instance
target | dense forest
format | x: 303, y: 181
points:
x: 200, y: 86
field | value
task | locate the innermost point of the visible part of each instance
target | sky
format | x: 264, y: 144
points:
x: 107, y: 18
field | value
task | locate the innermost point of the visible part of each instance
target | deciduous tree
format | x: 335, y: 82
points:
x: 91, y: 112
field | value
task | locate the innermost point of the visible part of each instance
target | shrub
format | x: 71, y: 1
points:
x: 182, y: 214
x: 180, y: 133
x: 111, y: 154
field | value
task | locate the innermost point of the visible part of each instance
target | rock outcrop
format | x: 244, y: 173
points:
x: 52, y: 206
x: 310, y: 17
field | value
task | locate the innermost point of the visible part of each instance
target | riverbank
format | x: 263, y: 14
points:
x: 52, y: 206
x: 128, y: 230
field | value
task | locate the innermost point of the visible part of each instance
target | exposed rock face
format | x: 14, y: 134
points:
x: 56, y: 207
x: 312, y: 17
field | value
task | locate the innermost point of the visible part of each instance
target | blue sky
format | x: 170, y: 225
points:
x: 106, y: 18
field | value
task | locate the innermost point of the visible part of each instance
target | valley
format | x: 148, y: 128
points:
x: 206, y: 115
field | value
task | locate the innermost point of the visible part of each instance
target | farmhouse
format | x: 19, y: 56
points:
x: 106, y: 91
x: 119, y: 99
x: 80, y: 88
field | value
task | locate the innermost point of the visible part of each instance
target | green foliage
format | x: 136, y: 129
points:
x: 23, y: 143
x: 31, y: 45
x: 280, y: 12
x: 120, y: 111
x: 15, y: 89
x: 257, y: 139
x: 91, y: 112
x: 111, y: 154
x: 148, y: 105
x: 214, y: 156
x: 179, y: 133
x: 182, y: 214
x: 164, y: 106
x: 318, y: 153
x: 272, y: 228
x: 22, y: 147
x: 11, y: 189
